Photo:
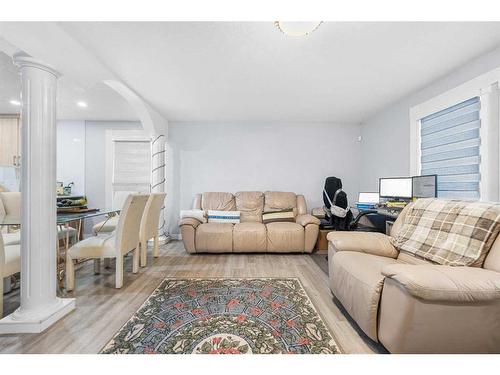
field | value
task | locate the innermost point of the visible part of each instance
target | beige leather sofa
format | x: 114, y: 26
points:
x: 250, y: 235
x: 410, y: 305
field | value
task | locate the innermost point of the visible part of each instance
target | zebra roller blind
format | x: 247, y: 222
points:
x: 450, y: 143
x: 131, y: 166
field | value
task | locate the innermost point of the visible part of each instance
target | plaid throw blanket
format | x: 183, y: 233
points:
x: 449, y: 232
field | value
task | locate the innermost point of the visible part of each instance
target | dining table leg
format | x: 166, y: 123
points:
x: 61, y: 255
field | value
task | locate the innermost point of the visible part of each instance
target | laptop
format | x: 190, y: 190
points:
x: 367, y: 200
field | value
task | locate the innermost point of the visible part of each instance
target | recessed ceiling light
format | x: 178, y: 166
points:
x: 297, y: 28
x: 15, y: 102
x: 81, y: 104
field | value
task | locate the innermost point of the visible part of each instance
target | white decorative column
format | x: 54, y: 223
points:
x: 40, y: 307
x: 158, y: 180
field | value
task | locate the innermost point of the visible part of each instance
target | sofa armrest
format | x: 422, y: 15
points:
x: 438, y: 283
x: 190, y: 221
x: 306, y: 219
x: 363, y: 242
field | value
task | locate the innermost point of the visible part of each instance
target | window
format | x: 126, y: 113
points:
x: 456, y: 135
x: 450, y: 147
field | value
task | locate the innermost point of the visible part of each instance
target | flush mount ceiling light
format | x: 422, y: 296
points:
x: 15, y: 102
x: 297, y: 28
x: 81, y: 104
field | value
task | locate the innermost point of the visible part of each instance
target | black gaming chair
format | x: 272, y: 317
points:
x: 336, y: 204
x: 340, y: 217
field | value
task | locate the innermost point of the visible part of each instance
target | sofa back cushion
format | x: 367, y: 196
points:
x: 279, y: 200
x: 219, y: 201
x: 250, y: 204
x: 449, y: 232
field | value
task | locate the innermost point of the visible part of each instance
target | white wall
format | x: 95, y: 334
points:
x: 81, y: 156
x: 258, y: 156
x: 385, y: 147
x: 71, y: 154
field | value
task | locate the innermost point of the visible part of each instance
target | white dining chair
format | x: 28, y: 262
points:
x: 10, y: 264
x: 109, y: 224
x: 149, y: 225
x: 116, y: 245
x: 10, y: 204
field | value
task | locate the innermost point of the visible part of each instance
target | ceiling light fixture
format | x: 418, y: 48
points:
x: 297, y: 28
x: 15, y: 102
x: 82, y: 104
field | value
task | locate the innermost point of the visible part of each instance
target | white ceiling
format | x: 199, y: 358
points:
x: 103, y: 103
x: 249, y: 71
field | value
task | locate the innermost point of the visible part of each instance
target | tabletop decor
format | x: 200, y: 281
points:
x: 225, y: 316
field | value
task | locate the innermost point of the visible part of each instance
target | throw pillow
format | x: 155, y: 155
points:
x: 278, y: 216
x: 232, y: 217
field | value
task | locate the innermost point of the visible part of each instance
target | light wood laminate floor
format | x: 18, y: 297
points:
x: 101, y: 309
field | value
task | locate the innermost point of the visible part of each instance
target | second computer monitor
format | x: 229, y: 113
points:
x: 425, y: 186
x: 395, y: 187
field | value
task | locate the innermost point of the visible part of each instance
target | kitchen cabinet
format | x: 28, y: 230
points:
x: 10, y: 145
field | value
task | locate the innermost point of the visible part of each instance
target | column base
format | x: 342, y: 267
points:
x: 36, y: 322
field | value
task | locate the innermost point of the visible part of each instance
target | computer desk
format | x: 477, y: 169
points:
x: 390, y: 213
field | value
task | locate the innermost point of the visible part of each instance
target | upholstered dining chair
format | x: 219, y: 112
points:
x: 149, y: 225
x: 10, y: 264
x: 10, y: 204
x: 109, y: 224
x: 116, y: 245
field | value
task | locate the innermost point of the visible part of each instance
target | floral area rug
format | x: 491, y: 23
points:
x: 225, y: 316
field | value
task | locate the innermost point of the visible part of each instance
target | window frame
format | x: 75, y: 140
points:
x: 486, y: 87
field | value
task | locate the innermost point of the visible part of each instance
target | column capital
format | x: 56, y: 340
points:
x: 23, y: 60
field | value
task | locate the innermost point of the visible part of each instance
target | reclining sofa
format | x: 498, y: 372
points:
x: 411, y: 305
x: 251, y: 234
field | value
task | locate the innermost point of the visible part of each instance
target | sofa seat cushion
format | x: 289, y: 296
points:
x: 249, y: 237
x: 285, y: 237
x: 356, y: 280
x: 214, y: 237
x: 437, y: 283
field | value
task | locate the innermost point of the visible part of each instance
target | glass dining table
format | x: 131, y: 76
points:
x: 64, y: 222
x: 62, y: 218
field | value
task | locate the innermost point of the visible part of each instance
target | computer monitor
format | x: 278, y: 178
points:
x: 424, y: 186
x: 395, y: 187
x: 368, y: 198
